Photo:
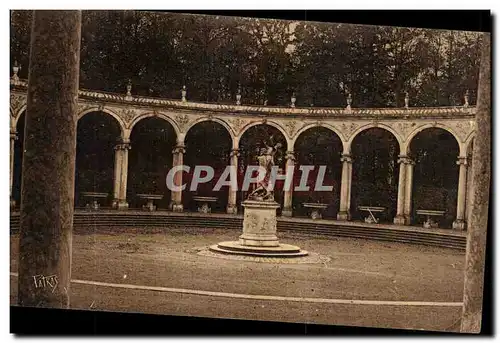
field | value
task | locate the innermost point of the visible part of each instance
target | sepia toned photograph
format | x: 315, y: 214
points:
x: 249, y: 168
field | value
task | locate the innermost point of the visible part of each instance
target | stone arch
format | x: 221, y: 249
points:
x: 216, y: 120
x: 319, y: 146
x: 430, y: 126
x: 160, y: 115
x: 253, y: 138
x: 374, y: 169
x: 208, y: 141
x: 362, y: 128
x: 434, y: 149
x: 104, y: 110
x: 262, y: 122
x: 468, y: 142
x: 96, y: 138
x: 313, y: 125
x: 15, y: 115
x: 152, y: 136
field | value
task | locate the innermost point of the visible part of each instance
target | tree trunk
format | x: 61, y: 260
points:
x: 49, y: 160
x: 478, y: 221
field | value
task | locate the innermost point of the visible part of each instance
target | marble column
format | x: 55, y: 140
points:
x: 468, y: 196
x: 288, y: 194
x: 13, y: 138
x: 400, y: 214
x: 232, y: 208
x: 122, y: 195
x: 117, y: 175
x: 408, y: 190
x: 178, y: 160
x: 345, y: 188
x: 349, y: 188
x: 459, y: 223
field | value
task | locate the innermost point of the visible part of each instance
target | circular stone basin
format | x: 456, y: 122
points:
x: 235, y: 248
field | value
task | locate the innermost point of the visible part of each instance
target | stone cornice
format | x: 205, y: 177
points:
x: 331, y: 112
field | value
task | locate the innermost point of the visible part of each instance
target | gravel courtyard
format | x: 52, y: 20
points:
x: 373, y: 274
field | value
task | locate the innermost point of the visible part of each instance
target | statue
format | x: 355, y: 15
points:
x: 259, y: 221
x: 266, y: 160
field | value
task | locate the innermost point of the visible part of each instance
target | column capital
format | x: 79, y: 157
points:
x: 462, y: 160
x: 122, y: 146
x: 410, y: 161
x: 404, y: 159
x: 234, y: 152
x: 346, y: 158
x: 179, y: 149
x: 13, y: 135
x: 469, y: 158
x: 123, y: 140
x: 290, y: 155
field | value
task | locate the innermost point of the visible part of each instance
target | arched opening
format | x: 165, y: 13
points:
x: 18, y: 160
x: 97, y: 134
x: 252, y: 141
x: 375, y: 174
x: 208, y: 143
x: 317, y: 147
x: 150, y: 158
x: 435, y: 179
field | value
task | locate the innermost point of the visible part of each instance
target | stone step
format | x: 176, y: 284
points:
x: 151, y: 221
x: 416, y: 240
x: 162, y: 222
x: 146, y: 220
x: 373, y: 231
x: 376, y: 232
x: 280, y: 252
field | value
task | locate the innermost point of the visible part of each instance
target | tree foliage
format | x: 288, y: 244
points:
x: 269, y: 59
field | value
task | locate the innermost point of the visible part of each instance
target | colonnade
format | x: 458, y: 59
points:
x: 405, y: 184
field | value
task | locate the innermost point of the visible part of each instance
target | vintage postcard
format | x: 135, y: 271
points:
x: 249, y: 168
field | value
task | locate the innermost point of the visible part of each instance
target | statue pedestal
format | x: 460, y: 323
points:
x: 259, y: 224
x: 259, y: 234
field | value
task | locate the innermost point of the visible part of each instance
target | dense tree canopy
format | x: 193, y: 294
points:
x: 269, y: 59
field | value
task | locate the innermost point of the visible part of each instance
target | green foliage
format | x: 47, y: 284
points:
x: 270, y: 59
